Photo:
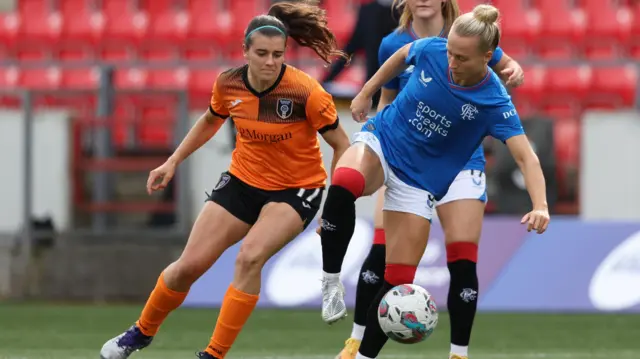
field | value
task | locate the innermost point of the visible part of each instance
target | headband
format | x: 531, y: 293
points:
x: 265, y: 27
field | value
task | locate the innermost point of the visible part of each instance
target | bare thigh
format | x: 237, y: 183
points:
x: 214, y: 231
x: 462, y: 220
x: 362, y: 159
x: 277, y: 225
x: 407, y: 235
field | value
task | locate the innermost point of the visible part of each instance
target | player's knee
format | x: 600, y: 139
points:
x: 183, y: 273
x: 250, y: 260
x: 462, y: 250
x: 396, y: 274
x: 349, y: 179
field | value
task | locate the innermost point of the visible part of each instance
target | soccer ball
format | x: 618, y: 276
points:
x: 408, y: 314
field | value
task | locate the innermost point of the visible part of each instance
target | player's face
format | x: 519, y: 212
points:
x: 465, y: 57
x: 265, y: 56
x: 425, y: 9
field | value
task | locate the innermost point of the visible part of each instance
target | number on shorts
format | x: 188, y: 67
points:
x: 314, y: 193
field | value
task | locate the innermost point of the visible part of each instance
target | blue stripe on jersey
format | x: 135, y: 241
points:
x: 396, y: 40
x: 433, y: 127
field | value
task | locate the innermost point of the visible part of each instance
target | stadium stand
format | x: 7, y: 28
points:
x: 578, y: 54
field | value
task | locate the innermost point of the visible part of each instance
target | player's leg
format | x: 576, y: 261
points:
x: 218, y: 226
x: 369, y: 282
x: 407, y: 222
x: 280, y: 221
x: 461, y: 212
x: 358, y: 172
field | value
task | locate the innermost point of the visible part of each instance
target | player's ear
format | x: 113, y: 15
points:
x: 487, y: 56
x: 245, y: 51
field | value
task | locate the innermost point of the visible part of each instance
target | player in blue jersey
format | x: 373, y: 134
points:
x: 460, y: 211
x: 416, y: 147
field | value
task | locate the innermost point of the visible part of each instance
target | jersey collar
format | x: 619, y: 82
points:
x: 245, y: 79
x: 453, y: 85
x: 415, y: 36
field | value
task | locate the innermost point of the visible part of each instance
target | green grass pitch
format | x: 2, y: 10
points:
x: 34, y: 331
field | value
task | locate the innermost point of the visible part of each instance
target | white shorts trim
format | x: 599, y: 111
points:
x: 399, y: 196
x: 468, y: 184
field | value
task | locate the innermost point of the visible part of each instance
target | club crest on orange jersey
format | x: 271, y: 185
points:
x: 284, y: 108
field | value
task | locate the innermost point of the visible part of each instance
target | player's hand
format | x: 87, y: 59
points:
x: 536, y: 220
x: 512, y: 76
x: 360, y: 107
x: 319, y: 226
x: 160, y: 177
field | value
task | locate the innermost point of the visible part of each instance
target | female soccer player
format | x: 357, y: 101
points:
x: 460, y: 211
x: 275, y: 182
x: 416, y: 147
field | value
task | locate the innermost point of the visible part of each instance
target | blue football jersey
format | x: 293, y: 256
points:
x: 434, y: 126
x: 396, y: 40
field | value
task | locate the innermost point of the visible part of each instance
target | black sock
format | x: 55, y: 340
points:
x: 374, y: 338
x: 338, y: 224
x: 369, y: 282
x: 463, y: 300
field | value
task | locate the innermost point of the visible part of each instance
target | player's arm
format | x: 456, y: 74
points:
x: 389, y: 91
x: 206, y: 126
x: 323, y: 116
x: 389, y: 70
x: 529, y: 164
x: 506, y: 127
x: 507, y: 68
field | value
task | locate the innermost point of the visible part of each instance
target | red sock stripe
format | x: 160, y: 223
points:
x: 462, y: 251
x: 378, y: 236
x: 350, y: 179
x: 397, y: 274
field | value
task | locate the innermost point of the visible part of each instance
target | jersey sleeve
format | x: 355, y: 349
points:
x: 321, y: 110
x: 497, y: 56
x: 217, y: 106
x: 384, y: 53
x: 506, y: 123
x: 418, y: 51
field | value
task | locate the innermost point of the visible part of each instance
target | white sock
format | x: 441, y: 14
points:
x: 360, y: 356
x: 459, y: 350
x: 357, y: 332
x: 331, y: 277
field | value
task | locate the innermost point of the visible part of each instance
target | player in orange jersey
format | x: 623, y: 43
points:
x: 274, y: 185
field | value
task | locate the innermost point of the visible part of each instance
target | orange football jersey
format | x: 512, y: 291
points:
x: 277, y: 145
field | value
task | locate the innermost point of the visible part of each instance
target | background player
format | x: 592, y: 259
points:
x: 460, y: 211
x: 274, y: 185
x: 416, y: 147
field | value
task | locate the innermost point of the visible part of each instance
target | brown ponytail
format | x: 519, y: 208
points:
x: 304, y: 22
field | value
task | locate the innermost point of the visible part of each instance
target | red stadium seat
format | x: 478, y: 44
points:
x: 80, y: 78
x: 9, y: 77
x: 613, y: 87
x: 209, y: 30
x: 38, y: 29
x: 566, y: 139
x: 607, y: 22
x: 130, y: 78
x: 9, y: 30
x: 174, y: 79
x: 200, y: 86
x: 41, y: 78
x: 532, y: 90
x: 126, y: 28
x: 342, y: 18
x: 561, y: 24
x: 567, y: 83
x: 83, y: 28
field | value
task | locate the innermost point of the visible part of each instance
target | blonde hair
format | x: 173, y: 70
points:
x: 450, y: 12
x: 482, y: 22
